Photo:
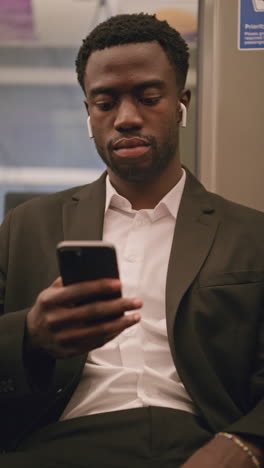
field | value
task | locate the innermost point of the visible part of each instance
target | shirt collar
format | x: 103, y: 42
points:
x: 169, y: 203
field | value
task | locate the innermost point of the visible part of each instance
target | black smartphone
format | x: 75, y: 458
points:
x: 86, y: 261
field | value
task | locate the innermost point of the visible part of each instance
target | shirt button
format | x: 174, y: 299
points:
x: 131, y: 258
x: 141, y: 221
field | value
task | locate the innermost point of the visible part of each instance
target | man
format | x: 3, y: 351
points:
x: 179, y: 380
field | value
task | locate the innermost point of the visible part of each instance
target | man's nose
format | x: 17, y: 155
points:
x: 128, y: 116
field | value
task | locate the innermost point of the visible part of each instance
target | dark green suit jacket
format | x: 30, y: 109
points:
x: 214, y: 307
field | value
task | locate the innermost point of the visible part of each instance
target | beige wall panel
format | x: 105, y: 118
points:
x: 231, y: 110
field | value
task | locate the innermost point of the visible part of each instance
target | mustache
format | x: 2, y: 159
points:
x: 148, y: 138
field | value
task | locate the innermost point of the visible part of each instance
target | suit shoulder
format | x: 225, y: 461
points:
x: 47, y: 199
x: 52, y: 202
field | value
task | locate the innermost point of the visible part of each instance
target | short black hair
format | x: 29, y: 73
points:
x: 135, y: 28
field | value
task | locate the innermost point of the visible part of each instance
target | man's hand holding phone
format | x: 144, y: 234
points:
x: 68, y: 320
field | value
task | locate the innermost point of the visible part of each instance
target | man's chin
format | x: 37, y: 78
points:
x: 132, y: 170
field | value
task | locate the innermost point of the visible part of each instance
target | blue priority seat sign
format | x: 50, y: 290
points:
x: 251, y: 25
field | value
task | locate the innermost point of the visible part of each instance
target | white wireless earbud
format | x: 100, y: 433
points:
x: 90, y: 132
x: 184, y: 115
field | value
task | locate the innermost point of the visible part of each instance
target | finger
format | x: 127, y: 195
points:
x: 86, y: 290
x: 96, y: 335
x: 78, y: 292
x: 89, y: 313
x: 107, y: 310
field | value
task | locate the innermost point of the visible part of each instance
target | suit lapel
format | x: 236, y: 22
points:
x: 195, y: 230
x: 83, y: 216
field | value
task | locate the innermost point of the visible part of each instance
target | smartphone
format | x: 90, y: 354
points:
x: 86, y: 261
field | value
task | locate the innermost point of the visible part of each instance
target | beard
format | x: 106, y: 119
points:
x: 145, y: 168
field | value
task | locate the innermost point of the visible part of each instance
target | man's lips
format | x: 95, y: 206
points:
x: 131, y: 147
x: 130, y: 142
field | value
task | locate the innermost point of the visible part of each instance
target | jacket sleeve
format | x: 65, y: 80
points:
x: 251, y: 425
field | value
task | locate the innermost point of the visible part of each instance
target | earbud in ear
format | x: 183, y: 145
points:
x: 184, y: 115
x: 89, y: 127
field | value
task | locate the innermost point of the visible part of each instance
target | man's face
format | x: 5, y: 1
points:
x: 133, y: 102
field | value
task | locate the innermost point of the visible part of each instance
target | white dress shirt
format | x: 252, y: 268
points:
x: 136, y: 368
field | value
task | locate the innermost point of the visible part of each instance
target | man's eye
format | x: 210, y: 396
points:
x: 150, y: 101
x: 105, y: 106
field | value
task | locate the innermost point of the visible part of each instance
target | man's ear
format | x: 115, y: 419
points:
x: 185, y: 97
x: 86, y: 106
